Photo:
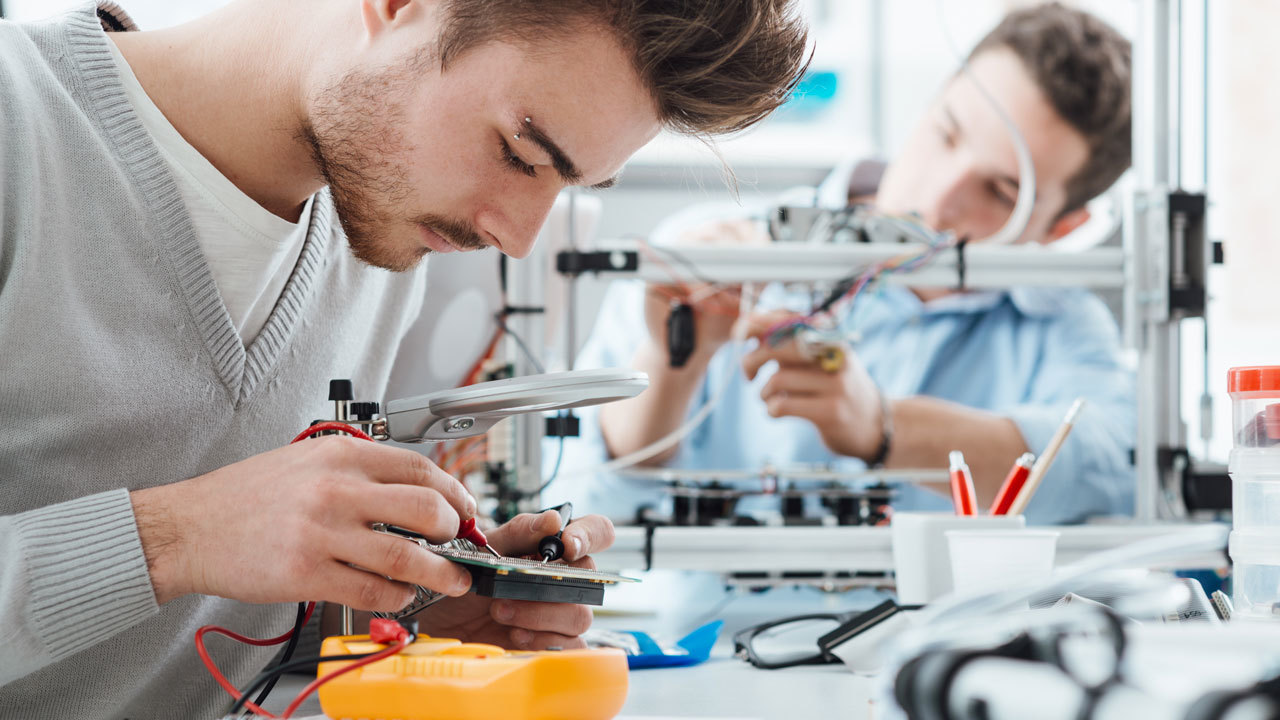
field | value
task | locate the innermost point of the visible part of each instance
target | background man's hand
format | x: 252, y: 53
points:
x: 520, y: 624
x: 716, y: 310
x: 287, y: 525
x: 844, y: 406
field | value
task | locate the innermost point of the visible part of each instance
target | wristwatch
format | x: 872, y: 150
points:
x: 886, y: 432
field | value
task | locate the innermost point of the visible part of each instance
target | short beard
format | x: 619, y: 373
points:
x: 354, y: 135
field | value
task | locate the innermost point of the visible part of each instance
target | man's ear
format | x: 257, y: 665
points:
x: 378, y: 15
x: 1066, y: 224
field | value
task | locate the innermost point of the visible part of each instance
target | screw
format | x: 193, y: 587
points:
x: 459, y: 425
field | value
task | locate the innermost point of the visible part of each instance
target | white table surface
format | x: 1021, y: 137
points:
x: 724, y: 687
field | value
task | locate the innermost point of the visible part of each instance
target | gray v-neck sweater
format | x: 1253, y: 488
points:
x: 120, y: 369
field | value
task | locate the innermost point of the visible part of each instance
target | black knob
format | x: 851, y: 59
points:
x: 340, y: 390
x: 364, y: 410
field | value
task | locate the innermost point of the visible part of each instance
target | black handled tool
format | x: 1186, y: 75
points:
x: 551, y: 547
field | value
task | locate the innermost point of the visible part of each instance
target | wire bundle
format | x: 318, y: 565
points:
x: 846, y: 292
x: 268, y: 678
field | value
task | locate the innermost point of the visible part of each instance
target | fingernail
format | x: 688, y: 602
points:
x: 503, y: 611
x: 577, y: 548
x: 471, y: 505
x: 521, y: 638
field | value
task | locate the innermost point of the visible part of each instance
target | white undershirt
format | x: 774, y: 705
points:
x: 250, y: 251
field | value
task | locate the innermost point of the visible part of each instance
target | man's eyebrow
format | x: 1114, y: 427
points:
x: 559, y: 160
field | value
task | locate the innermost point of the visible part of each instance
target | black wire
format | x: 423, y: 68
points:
x: 556, y: 469
x: 502, y: 323
x: 278, y: 670
x: 288, y: 653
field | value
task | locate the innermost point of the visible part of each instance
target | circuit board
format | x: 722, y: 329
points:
x: 515, y: 578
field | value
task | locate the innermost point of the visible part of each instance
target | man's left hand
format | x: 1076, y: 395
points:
x: 843, y: 405
x: 523, y: 624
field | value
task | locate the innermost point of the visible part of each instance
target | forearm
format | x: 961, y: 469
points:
x: 632, y: 424
x: 71, y: 576
x: 927, y: 429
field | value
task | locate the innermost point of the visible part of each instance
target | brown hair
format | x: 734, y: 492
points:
x: 713, y: 66
x: 1083, y: 67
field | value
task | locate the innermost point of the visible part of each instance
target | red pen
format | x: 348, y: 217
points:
x: 1013, y: 484
x: 963, y: 496
x: 468, y: 531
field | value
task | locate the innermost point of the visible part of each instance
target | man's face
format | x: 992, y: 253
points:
x: 959, y: 170
x: 421, y: 160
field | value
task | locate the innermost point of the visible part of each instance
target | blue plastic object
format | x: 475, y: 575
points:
x: 696, y: 648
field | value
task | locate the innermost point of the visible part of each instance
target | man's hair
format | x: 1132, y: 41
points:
x: 712, y: 66
x: 1083, y: 66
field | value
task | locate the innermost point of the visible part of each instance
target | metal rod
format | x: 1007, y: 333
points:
x: 875, y: 68
x: 571, y: 289
x: 1204, y: 90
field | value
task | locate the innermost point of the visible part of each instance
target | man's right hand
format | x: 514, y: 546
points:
x: 287, y: 526
x: 715, y: 311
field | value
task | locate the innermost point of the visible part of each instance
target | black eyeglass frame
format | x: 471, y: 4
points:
x: 744, y: 639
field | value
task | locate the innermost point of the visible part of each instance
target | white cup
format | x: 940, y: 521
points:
x: 992, y: 559
x: 921, y: 557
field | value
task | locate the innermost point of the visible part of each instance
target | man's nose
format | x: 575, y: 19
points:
x: 947, y: 198
x: 516, y: 224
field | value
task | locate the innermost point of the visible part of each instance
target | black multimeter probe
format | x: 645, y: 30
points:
x: 551, y: 547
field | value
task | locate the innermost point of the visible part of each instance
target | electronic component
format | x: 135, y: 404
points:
x: 510, y: 578
x: 436, y: 678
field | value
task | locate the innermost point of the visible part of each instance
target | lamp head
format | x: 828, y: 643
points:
x: 472, y: 410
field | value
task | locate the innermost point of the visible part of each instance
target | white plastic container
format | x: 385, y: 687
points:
x: 1254, y: 467
x: 921, y: 559
x: 992, y: 559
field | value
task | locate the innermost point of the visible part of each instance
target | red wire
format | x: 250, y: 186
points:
x: 330, y: 427
x: 258, y: 642
x: 392, y: 650
x: 261, y: 642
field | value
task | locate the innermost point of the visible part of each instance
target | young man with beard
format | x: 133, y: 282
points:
x: 176, y: 209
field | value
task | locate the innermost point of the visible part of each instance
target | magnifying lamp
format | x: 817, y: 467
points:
x: 472, y: 410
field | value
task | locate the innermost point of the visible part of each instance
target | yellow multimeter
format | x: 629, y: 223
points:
x: 439, y: 679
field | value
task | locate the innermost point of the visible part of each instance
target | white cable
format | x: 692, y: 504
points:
x: 661, y: 445
x: 1017, y: 222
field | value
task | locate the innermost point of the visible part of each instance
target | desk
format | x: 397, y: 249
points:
x: 723, y: 687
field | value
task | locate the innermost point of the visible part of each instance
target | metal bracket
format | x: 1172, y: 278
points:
x: 576, y: 262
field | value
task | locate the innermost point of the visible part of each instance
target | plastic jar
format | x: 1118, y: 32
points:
x: 1255, y: 490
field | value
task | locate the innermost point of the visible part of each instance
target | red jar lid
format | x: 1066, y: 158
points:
x: 1258, y: 378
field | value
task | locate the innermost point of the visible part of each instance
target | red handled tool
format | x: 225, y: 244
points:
x: 1013, y: 484
x: 963, y: 496
x: 469, y: 532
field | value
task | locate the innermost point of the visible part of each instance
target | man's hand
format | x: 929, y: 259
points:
x: 716, y: 310
x: 521, y: 624
x: 844, y: 405
x: 287, y: 525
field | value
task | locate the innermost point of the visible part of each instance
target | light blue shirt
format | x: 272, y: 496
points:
x: 1026, y: 354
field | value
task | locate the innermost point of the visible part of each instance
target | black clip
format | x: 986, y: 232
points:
x: 962, y: 267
